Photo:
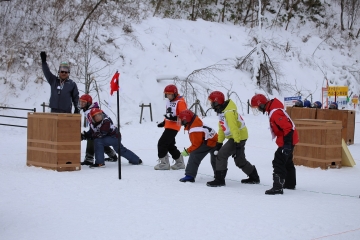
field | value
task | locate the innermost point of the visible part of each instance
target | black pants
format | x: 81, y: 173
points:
x: 166, y: 144
x: 284, y: 167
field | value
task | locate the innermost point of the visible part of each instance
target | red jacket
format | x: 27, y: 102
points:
x: 280, y: 124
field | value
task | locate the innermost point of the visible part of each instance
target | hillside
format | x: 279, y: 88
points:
x: 145, y: 48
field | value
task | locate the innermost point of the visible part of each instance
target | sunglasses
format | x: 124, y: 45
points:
x: 64, y: 72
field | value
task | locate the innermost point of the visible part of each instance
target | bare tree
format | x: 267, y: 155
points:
x: 268, y: 72
x: 87, y: 17
x: 289, y: 9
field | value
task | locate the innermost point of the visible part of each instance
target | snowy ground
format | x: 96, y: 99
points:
x: 146, y: 204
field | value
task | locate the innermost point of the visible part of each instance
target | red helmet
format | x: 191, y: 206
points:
x: 216, y: 98
x: 171, y: 89
x: 95, y: 111
x: 257, y: 100
x: 185, y: 117
x: 86, y: 98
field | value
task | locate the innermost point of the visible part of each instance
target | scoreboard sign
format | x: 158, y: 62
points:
x: 338, y: 91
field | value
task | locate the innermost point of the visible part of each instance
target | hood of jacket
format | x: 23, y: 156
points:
x: 273, y: 104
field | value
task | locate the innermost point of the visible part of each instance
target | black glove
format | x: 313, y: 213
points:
x: 77, y: 110
x: 217, y: 148
x: 43, y: 56
x: 287, y: 149
x: 83, y: 136
x: 171, y: 117
x: 162, y: 124
x: 237, y: 148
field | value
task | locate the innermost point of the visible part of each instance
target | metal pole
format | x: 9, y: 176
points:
x: 150, y: 112
x: 142, y: 108
x: 118, y: 125
x: 248, y: 106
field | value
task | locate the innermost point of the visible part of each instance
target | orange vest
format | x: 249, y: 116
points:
x: 177, y: 105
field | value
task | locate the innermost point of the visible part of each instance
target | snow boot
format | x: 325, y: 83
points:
x: 179, y: 163
x: 89, y: 160
x: 113, y: 158
x: 219, y: 180
x: 253, y: 178
x: 187, y: 178
x: 163, y: 163
x: 97, y: 165
x: 140, y: 162
x: 277, y: 186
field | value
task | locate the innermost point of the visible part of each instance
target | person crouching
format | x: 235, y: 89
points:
x: 203, y: 141
x: 105, y: 133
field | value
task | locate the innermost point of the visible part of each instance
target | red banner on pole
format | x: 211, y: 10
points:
x: 114, y: 84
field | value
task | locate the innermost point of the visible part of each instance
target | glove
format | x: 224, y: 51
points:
x: 43, y: 56
x: 76, y: 110
x: 171, y: 117
x: 185, y: 153
x: 162, y: 124
x: 217, y: 148
x: 287, y: 150
x: 237, y: 148
x: 83, y: 136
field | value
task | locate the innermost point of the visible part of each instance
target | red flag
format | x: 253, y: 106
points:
x: 114, y: 85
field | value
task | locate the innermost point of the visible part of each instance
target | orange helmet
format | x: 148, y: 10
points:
x: 259, y: 101
x: 216, y: 98
x: 95, y: 111
x: 185, y: 117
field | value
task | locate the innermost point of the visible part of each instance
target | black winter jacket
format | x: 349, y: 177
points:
x: 61, y: 99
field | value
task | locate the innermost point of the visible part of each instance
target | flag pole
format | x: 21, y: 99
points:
x: 118, y: 125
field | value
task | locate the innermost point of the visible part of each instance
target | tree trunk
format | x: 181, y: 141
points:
x: 157, y: 7
x: 87, y: 17
x: 247, y: 12
x: 290, y: 12
x: 342, y: 15
x: 223, y: 12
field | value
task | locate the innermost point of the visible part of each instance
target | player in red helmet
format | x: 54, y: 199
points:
x: 283, y: 129
x: 232, y: 127
x: 86, y: 104
x: 105, y: 133
x: 203, y: 141
x: 166, y: 144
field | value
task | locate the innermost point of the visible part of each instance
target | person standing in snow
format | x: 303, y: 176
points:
x: 105, y: 133
x: 231, y: 126
x: 64, y: 91
x: 86, y: 104
x: 283, y: 129
x: 203, y: 141
x: 166, y: 144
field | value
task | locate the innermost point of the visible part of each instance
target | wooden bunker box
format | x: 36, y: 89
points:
x: 53, y: 141
x: 319, y: 143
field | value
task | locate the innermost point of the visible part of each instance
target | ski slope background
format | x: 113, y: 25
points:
x: 146, y: 204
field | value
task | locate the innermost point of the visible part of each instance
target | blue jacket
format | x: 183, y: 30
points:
x: 61, y: 99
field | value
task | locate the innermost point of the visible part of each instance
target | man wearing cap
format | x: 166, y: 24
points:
x: 64, y: 91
